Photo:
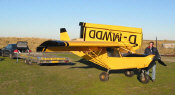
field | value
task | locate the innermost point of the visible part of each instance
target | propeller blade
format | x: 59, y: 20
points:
x: 161, y: 62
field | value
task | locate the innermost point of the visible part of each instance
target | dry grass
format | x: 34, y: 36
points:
x: 161, y: 49
x: 34, y: 42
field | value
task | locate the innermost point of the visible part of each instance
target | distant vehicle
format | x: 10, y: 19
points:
x: 11, y: 50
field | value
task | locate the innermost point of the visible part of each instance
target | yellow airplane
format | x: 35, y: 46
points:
x: 109, y: 46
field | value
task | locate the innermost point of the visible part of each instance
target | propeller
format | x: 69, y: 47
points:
x: 153, y: 62
x: 159, y: 60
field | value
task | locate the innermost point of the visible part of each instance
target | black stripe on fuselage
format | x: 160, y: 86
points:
x: 67, y: 44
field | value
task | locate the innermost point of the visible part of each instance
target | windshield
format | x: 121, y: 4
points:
x: 112, y: 52
x: 13, y: 46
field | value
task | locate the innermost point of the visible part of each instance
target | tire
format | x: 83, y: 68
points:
x: 129, y: 73
x: 104, y: 76
x: 144, y: 79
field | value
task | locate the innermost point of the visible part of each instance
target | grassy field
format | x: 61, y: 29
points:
x: 78, y: 78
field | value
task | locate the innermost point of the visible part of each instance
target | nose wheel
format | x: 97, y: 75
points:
x: 104, y: 76
x: 143, y: 77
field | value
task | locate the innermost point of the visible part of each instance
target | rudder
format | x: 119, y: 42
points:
x: 64, y: 35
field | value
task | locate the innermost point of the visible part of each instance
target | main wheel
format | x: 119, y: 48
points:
x: 104, y: 76
x: 144, y: 78
x: 129, y: 73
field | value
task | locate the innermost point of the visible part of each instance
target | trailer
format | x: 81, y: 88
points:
x: 42, y: 58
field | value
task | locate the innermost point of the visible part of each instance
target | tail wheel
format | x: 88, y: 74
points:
x: 129, y: 73
x: 144, y: 78
x: 104, y: 76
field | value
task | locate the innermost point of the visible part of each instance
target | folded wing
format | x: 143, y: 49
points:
x: 56, y: 45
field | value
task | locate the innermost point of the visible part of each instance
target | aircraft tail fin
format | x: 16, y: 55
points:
x: 64, y: 35
x: 111, y: 33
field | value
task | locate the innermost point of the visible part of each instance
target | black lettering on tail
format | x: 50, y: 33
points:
x: 99, y: 34
x: 92, y: 34
x: 107, y: 36
x: 133, y: 37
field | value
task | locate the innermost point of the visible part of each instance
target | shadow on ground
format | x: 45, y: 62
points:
x: 1, y: 59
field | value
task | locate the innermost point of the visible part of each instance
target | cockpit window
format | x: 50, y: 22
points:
x: 112, y: 52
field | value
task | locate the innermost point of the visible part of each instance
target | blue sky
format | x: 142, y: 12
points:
x: 44, y: 18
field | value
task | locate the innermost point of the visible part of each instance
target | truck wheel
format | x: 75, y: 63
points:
x: 129, y: 73
x: 104, y: 76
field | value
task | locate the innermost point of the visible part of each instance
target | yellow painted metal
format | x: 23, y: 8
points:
x: 55, y: 61
x: 129, y: 62
x: 42, y: 58
x: 64, y: 36
x: 85, y: 45
x: 113, y: 27
x: 111, y: 33
x: 115, y: 63
x: 97, y: 43
x: 98, y: 37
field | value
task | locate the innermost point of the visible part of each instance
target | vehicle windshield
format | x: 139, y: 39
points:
x: 14, y: 46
